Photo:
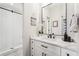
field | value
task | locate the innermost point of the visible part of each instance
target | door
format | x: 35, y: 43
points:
x: 5, y: 29
x: 16, y: 27
x: 10, y: 29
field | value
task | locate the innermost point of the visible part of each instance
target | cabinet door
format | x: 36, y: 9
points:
x: 16, y: 28
x: 65, y: 52
x: 38, y: 49
x: 5, y: 29
x: 10, y: 30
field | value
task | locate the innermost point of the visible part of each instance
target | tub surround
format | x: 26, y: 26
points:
x: 18, y: 50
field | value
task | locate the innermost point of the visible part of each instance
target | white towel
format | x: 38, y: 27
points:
x: 74, y: 27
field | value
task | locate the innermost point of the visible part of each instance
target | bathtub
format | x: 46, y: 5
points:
x: 16, y: 51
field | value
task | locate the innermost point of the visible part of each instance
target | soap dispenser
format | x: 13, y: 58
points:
x: 65, y: 36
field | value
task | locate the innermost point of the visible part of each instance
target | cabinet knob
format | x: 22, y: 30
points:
x: 44, y: 46
x: 32, y: 48
x: 42, y: 53
x: 32, y: 41
x: 68, y: 54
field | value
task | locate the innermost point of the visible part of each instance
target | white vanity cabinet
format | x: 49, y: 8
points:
x: 66, y: 52
x: 43, y: 49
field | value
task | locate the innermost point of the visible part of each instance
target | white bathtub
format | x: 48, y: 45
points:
x: 16, y: 51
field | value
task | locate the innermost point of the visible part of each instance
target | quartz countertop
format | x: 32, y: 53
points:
x: 59, y: 42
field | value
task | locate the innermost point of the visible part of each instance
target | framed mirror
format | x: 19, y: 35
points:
x: 54, y: 17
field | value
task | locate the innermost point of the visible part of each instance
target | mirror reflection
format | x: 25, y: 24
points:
x: 51, y: 13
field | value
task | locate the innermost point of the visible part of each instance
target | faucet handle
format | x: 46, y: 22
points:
x: 52, y: 33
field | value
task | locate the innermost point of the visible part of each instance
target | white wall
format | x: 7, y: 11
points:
x: 30, y: 10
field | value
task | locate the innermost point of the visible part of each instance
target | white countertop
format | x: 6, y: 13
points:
x: 59, y: 42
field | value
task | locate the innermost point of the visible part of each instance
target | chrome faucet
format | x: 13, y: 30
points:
x: 53, y: 35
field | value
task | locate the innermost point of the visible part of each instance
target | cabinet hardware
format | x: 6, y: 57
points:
x: 32, y: 41
x: 32, y: 48
x: 11, y: 48
x: 44, y: 46
x: 67, y: 54
x: 42, y: 53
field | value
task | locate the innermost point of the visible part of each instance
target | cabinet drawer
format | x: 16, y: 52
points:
x: 44, y: 49
x: 65, y: 52
x: 51, y: 49
x: 36, y: 49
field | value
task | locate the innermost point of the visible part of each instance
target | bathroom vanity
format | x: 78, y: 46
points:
x: 53, y: 47
x: 56, y: 22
